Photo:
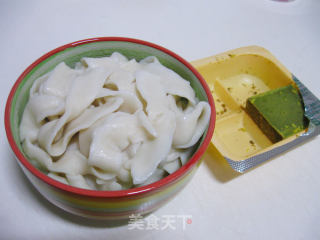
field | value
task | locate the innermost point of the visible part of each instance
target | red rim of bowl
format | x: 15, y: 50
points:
x: 122, y: 193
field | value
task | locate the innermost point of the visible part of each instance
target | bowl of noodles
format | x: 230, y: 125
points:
x: 109, y: 127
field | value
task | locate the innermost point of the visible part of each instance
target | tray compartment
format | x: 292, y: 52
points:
x: 238, y: 137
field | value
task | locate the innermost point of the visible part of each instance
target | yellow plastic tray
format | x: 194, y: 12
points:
x: 233, y: 77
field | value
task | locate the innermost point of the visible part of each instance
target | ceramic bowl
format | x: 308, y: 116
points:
x: 104, y: 204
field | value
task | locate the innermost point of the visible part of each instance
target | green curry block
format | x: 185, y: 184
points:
x: 279, y: 113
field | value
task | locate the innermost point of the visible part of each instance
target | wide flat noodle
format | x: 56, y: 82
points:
x: 102, y: 175
x: 130, y: 104
x: 59, y: 81
x: 157, y: 175
x: 153, y: 93
x: 29, y: 128
x: 173, y: 83
x: 171, y: 167
x: 111, y: 63
x: 107, y: 149
x: 72, y: 162
x: 37, y: 154
x: 191, y: 126
x: 37, y: 83
x: 58, y: 178
x: 122, y: 80
x: 84, y: 90
x: 152, y: 152
x: 43, y: 106
x: 77, y: 181
x: 85, y: 120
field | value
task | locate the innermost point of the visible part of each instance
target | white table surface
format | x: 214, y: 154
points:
x: 277, y: 200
